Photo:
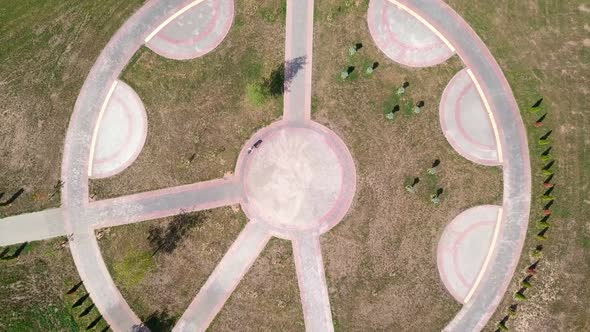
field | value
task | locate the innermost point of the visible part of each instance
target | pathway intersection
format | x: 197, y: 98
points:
x: 301, y: 180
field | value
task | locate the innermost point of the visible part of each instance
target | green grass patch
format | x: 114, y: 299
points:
x: 133, y: 267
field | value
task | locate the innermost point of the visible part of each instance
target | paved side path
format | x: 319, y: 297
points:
x: 224, y: 279
x: 516, y: 164
x: 298, y: 61
x: 163, y: 203
x: 32, y: 227
x: 312, y: 284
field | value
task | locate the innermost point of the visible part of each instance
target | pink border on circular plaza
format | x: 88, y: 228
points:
x: 342, y: 203
x: 449, y: 89
x: 402, y: 58
x: 196, y: 53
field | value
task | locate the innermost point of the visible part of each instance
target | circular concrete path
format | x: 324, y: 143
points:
x: 79, y: 217
x: 463, y: 248
x: 403, y: 38
x: 465, y: 122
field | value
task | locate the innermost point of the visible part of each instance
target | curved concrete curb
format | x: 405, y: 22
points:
x: 121, y: 133
x: 465, y: 121
x: 189, y: 36
x: 403, y: 38
x: 463, y: 248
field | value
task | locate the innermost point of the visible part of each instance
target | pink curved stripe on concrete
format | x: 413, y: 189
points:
x: 477, y: 142
x: 114, y: 154
x: 413, y: 48
x: 120, y: 156
x: 456, y: 251
x: 210, y: 25
x: 476, y: 222
x: 181, y: 48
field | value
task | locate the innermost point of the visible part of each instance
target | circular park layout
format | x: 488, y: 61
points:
x: 294, y: 179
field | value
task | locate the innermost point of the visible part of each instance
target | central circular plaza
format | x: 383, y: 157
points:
x: 297, y: 178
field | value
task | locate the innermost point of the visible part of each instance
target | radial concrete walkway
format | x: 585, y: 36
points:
x: 311, y: 161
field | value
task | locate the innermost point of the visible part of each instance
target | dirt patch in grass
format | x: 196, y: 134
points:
x: 48, y: 49
x: 540, y: 47
x: 160, y: 282
x: 267, y: 299
x: 33, y: 290
x: 381, y: 259
x: 199, y: 112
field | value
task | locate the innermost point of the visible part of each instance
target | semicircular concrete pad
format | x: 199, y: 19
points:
x: 121, y: 134
x: 463, y: 247
x: 195, y: 32
x: 403, y: 38
x: 465, y: 121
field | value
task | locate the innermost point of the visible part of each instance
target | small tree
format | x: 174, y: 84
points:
x: 526, y: 282
x: 520, y: 296
x: 542, y: 234
x: 541, y: 224
x: 512, y: 309
x: 435, y: 199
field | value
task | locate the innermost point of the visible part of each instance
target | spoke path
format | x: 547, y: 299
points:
x: 163, y: 203
x: 32, y: 227
x: 224, y: 279
x: 298, y: 61
x: 312, y: 284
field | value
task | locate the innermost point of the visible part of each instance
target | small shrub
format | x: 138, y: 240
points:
x: 502, y: 326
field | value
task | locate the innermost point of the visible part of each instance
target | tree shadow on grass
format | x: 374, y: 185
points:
x: 166, y: 239
x: 160, y: 321
x: 12, y: 198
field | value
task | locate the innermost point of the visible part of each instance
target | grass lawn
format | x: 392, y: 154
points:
x: 47, y: 50
x: 33, y: 290
x: 162, y: 283
x: 203, y: 109
x: 267, y: 299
